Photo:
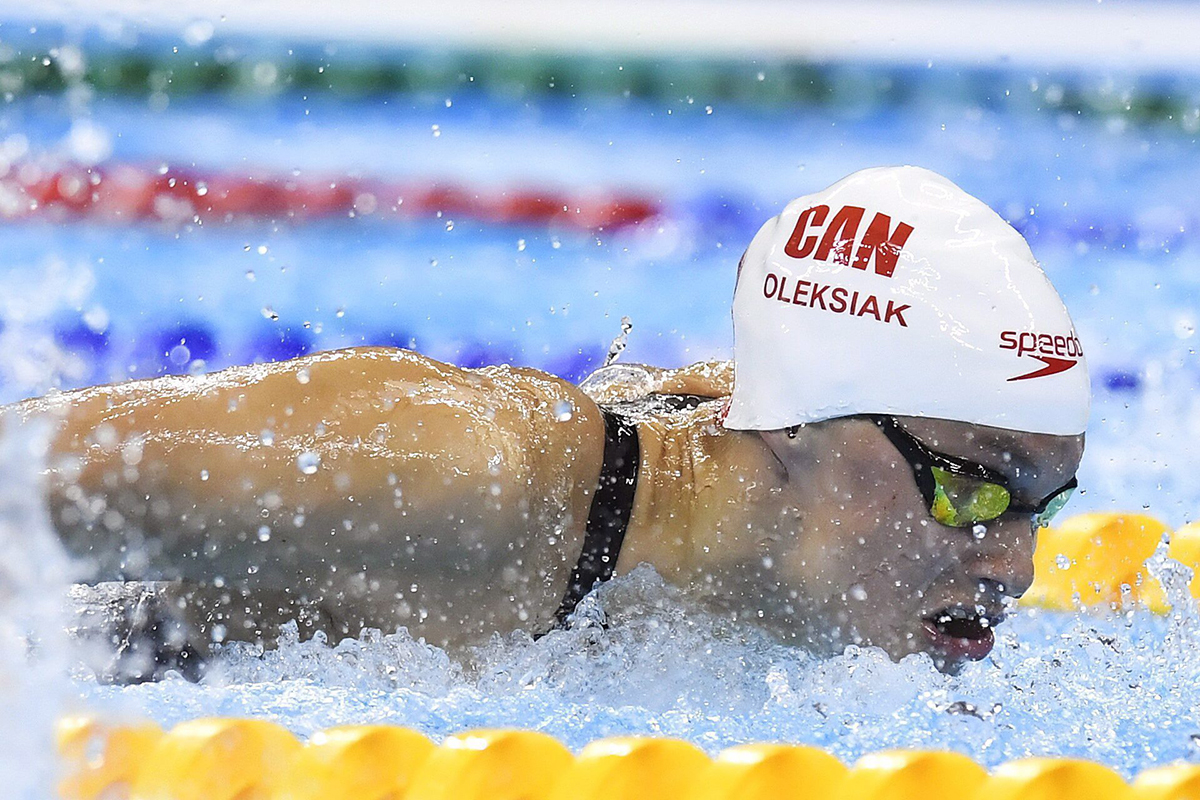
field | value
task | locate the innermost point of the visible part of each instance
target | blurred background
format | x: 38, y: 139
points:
x: 191, y: 185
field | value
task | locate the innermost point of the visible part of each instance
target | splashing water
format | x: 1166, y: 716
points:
x: 34, y: 571
x: 308, y: 462
x: 619, y: 343
x: 642, y: 659
x: 563, y: 411
x: 33, y: 647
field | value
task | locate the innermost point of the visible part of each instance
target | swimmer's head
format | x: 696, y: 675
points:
x: 921, y: 384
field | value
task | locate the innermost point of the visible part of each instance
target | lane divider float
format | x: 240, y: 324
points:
x: 240, y: 759
x: 124, y: 193
x: 161, y: 69
x: 43, y: 186
x: 1098, y: 561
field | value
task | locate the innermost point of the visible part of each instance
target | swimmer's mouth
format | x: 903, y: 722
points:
x: 959, y: 633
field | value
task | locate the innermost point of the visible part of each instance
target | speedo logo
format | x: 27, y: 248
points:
x: 880, y: 242
x: 1057, y: 353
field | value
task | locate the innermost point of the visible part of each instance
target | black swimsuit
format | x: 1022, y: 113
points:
x: 613, y: 501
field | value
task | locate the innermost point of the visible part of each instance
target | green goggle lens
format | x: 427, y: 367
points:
x: 1054, y: 506
x: 959, y: 501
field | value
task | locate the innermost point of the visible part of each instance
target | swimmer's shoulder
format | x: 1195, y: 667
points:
x: 618, y: 383
x: 398, y: 364
x: 694, y: 393
x: 526, y: 389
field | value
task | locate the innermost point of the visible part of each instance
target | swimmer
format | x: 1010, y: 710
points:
x: 905, y: 408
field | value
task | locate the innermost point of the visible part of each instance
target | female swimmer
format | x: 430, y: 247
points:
x: 907, y: 407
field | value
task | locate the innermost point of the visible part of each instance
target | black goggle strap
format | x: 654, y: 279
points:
x: 1040, y: 508
x: 921, y: 458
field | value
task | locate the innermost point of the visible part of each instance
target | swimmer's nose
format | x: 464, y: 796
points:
x: 1004, y: 555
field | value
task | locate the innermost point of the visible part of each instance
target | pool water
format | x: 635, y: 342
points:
x: 1121, y: 691
x: 1109, y: 208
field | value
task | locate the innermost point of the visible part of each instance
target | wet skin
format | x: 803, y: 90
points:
x: 872, y: 566
x: 446, y: 500
x: 453, y: 502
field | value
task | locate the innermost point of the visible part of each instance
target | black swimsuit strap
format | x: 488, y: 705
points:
x: 609, y: 515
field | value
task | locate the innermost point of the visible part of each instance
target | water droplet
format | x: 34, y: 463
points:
x: 96, y: 318
x: 520, y: 245
x: 262, y: 249
x: 198, y: 32
x: 203, y: 474
x: 250, y: 276
x: 302, y: 375
x: 308, y: 461
x: 1062, y: 562
x: 437, y: 130
x: 269, y: 313
x: 979, y: 532
x: 449, y: 225
x: 88, y: 143
x: 563, y: 411
x: 620, y: 342
x: 858, y: 592
x: 366, y: 203
x: 267, y: 436
x: 264, y: 533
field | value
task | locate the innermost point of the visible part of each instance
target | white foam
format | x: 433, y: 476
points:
x: 1122, y: 690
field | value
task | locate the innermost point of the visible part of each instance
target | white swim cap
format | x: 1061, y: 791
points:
x: 895, y: 292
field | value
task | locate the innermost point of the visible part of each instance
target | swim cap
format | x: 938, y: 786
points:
x: 895, y: 292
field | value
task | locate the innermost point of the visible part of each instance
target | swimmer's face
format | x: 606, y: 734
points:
x: 870, y: 565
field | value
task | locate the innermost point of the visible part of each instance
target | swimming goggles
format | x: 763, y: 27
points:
x: 961, y: 494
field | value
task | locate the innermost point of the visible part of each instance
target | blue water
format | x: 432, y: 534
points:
x: 1110, y: 210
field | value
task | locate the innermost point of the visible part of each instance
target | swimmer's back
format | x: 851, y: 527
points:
x: 387, y: 441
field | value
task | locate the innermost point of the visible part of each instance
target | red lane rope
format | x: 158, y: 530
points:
x: 124, y: 193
